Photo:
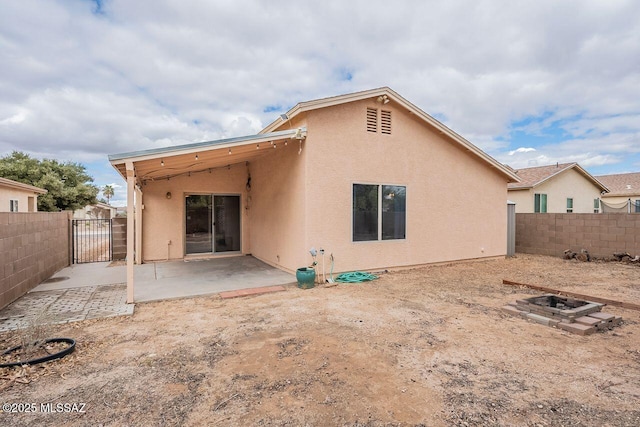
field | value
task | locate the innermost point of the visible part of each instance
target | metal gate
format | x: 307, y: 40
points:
x: 92, y: 240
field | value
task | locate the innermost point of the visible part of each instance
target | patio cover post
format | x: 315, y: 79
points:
x: 138, y: 223
x: 130, y: 229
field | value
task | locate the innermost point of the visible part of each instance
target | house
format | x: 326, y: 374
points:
x: 559, y: 188
x: 97, y: 210
x: 18, y: 197
x: 367, y: 176
x: 624, y: 192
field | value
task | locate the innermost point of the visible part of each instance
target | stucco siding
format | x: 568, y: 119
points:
x: 163, y: 219
x: 277, y: 207
x: 456, y: 204
x: 523, y: 200
x: 22, y: 196
x: 569, y: 183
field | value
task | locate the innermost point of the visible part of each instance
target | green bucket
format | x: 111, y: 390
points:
x: 306, y: 277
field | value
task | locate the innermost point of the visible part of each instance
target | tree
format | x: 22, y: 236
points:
x: 68, y: 184
x: 107, y: 191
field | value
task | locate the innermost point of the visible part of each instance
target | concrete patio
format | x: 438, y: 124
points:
x: 175, y: 279
x: 95, y: 290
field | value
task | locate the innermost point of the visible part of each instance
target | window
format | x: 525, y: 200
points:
x: 596, y: 205
x: 394, y: 214
x: 540, y: 203
x: 637, y: 206
x: 13, y: 206
x: 569, y: 204
x: 379, y: 212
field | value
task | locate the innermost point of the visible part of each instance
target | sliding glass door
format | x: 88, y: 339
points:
x: 226, y: 223
x: 199, y: 224
x: 212, y: 224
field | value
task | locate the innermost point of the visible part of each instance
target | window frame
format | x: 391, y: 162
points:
x: 13, y: 205
x: 596, y: 205
x: 537, y: 204
x: 380, y: 234
x: 569, y: 202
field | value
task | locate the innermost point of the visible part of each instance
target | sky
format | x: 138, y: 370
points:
x: 531, y: 83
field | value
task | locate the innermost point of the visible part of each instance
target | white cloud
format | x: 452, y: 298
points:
x: 79, y: 85
x: 522, y: 150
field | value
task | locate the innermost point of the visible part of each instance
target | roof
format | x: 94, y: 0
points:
x: 532, y: 177
x: 150, y: 164
x: 392, y: 97
x: 4, y: 182
x: 102, y: 205
x: 623, y: 184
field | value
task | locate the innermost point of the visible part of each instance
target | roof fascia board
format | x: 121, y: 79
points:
x: 326, y: 102
x: 547, y: 178
x: 580, y: 170
x: 199, y: 147
x: 342, y: 99
x: 592, y: 178
x: 22, y: 186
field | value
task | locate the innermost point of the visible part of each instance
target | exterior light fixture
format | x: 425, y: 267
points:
x: 229, y: 150
x: 196, y: 157
x: 168, y: 195
x: 161, y: 162
x: 257, y: 146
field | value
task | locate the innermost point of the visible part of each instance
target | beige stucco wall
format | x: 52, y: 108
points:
x: 456, y: 204
x: 163, y: 219
x: 22, y: 196
x: 277, y: 208
x: 567, y: 184
x: 523, y: 200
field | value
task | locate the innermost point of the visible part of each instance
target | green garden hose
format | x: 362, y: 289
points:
x: 355, y: 277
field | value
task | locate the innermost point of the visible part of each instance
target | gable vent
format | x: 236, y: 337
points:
x: 372, y: 120
x: 385, y: 122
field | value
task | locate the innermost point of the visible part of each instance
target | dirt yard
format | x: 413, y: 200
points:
x: 426, y: 347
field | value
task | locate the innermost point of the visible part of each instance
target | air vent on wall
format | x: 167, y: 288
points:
x: 385, y: 122
x: 372, y: 120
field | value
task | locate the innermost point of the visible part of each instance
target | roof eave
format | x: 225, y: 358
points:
x: 22, y: 186
x: 198, y: 147
x: 413, y: 109
x: 580, y: 170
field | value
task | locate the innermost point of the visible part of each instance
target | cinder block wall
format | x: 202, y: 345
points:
x: 33, y: 246
x: 119, y: 230
x: 600, y: 234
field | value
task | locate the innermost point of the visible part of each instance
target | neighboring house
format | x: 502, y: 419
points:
x: 559, y: 188
x: 97, y: 210
x: 624, y: 192
x: 18, y: 197
x: 368, y: 177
